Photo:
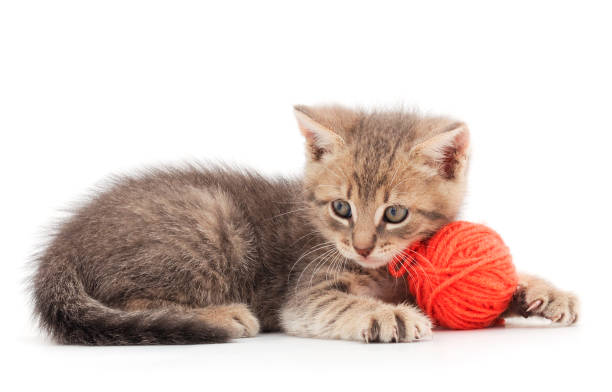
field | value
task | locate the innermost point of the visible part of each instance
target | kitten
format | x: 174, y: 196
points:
x: 210, y: 254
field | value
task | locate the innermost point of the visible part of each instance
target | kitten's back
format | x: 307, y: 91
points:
x: 164, y: 236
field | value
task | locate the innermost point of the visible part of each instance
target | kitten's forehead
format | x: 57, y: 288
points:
x: 377, y: 149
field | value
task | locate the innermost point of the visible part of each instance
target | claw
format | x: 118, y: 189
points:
x: 417, y: 332
x: 534, y: 305
x: 364, y: 334
x: 558, y: 318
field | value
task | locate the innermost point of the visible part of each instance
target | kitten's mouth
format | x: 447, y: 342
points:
x: 372, y: 262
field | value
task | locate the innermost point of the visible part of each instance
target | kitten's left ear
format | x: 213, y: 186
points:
x: 320, y: 139
x: 447, y: 152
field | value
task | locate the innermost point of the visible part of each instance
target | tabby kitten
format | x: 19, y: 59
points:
x: 210, y: 254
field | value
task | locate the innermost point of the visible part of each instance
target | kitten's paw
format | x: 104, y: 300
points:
x: 236, y: 319
x: 392, y: 324
x: 544, y: 300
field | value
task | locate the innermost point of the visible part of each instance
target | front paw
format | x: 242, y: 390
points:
x: 540, y: 298
x: 389, y: 323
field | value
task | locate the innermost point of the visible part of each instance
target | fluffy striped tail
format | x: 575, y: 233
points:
x: 71, y: 316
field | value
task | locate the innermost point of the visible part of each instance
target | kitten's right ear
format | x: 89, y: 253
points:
x: 320, y: 139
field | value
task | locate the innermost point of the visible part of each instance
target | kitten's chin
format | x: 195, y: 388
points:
x: 371, y: 262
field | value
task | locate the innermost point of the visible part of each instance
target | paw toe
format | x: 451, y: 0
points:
x: 416, y: 326
x: 561, y: 308
x: 248, y: 323
x: 236, y: 319
x: 535, y: 306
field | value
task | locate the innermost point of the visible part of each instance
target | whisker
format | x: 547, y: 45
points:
x: 331, y: 266
x: 394, y: 174
x: 290, y: 202
x: 304, y: 236
x: 416, y: 264
x: 338, y: 175
x: 411, y: 265
x: 311, y: 250
x: 342, y: 267
x: 321, y: 263
x: 289, y: 212
x: 304, y: 270
x: 336, y: 265
x: 319, y: 260
x: 400, y: 183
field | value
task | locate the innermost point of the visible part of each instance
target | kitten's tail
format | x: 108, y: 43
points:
x: 71, y: 316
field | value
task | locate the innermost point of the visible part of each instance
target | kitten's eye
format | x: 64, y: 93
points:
x: 395, y: 214
x: 341, y: 208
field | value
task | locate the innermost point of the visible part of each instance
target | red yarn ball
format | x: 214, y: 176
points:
x: 463, y: 277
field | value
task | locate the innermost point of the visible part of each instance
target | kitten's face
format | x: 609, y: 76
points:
x: 377, y: 182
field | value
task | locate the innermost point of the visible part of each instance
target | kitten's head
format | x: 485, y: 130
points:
x: 375, y: 182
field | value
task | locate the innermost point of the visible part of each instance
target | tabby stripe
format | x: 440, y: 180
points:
x: 374, y: 330
x: 401, y: 327
x: 310, y: 196
x: 432, y: 215
x: 339, y: 286
x: 320, y: 306
x: 341, y: 312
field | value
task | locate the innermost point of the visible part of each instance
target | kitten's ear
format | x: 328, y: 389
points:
x: 320, y: 139
x: 446, y: 154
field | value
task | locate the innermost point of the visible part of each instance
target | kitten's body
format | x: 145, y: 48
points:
x: 205, y: 254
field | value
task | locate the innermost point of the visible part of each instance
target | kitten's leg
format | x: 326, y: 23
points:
x: 331, y: 309
x: 236, y: 319
x: 537, y: 297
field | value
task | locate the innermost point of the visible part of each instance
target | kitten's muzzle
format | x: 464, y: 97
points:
x: 364, y: 252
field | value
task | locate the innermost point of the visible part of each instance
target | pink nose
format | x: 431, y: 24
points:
x: 365, y: 251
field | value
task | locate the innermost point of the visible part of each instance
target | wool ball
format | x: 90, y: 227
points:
x: 463, y: 277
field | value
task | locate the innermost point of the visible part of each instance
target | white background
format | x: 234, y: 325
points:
x: 92, y: 88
